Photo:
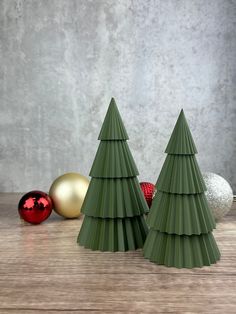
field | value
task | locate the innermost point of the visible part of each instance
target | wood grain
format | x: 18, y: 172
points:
x: 42, y: 269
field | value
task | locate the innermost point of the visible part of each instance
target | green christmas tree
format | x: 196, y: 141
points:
x: 114, y: 204
x: 180, y: 220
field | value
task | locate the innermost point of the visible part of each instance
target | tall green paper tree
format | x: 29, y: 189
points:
x: 114, y: 204
x: 180, y: 220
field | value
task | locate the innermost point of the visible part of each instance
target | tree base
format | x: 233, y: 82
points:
x: 181, y: 251
x: 107, y: 234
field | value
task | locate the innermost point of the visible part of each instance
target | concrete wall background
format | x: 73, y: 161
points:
x: 62, y: 60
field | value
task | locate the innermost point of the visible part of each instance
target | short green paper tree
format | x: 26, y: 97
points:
x: 114, y: 204
x: 180, y: 220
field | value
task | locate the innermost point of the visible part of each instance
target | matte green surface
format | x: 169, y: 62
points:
x: 111, y: 198
x: 181, y: 174
x: 120, y: 234
x: 181, y: 251
x: 113, y: 127
x: 181, y: 214
x: 113, y: 160
x: 181, y: 141
x: 180, y: 219
x: 114, y: 204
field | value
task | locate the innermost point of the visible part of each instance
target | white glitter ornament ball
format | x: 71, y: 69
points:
x: 219, y: 194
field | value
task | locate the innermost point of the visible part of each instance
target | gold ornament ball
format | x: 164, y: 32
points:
x: 68, y: 192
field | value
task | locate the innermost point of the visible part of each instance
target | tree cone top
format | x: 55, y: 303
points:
x: 181, y: 141
x: 113, y: 127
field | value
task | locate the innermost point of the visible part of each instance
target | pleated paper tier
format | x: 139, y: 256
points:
x: 113, y: 160
x: 114, y: 198
x: 181, y: 141
x: 181, y: 251
x: 113, y: 127
x: 181, y: 214
x: 180, y: 174
x: 121, y: 234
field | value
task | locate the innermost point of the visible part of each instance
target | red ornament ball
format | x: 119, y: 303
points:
x: 148, y: 191
x: 35, y: 207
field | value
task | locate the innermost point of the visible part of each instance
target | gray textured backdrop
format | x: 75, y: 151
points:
x: 61, y: 61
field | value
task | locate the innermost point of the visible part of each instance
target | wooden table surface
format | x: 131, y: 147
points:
x: 42, y: 269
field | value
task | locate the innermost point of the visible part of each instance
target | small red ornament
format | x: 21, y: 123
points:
x: 148, y: 191
x: 35, y: 207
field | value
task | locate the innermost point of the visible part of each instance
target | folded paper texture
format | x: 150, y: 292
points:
x: 114, y: 198
x: 114, y: 204
x: 120, y: 234
x: 181, y: 174
x: 113, y: 160
x: 180, y: 219
x: 181, y: 251
x: 113, y: 127
x: 181, y: 141
x: 181, y: 214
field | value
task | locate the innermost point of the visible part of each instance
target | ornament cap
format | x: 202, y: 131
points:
x: 113, y: 127
x: 181, y: 141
